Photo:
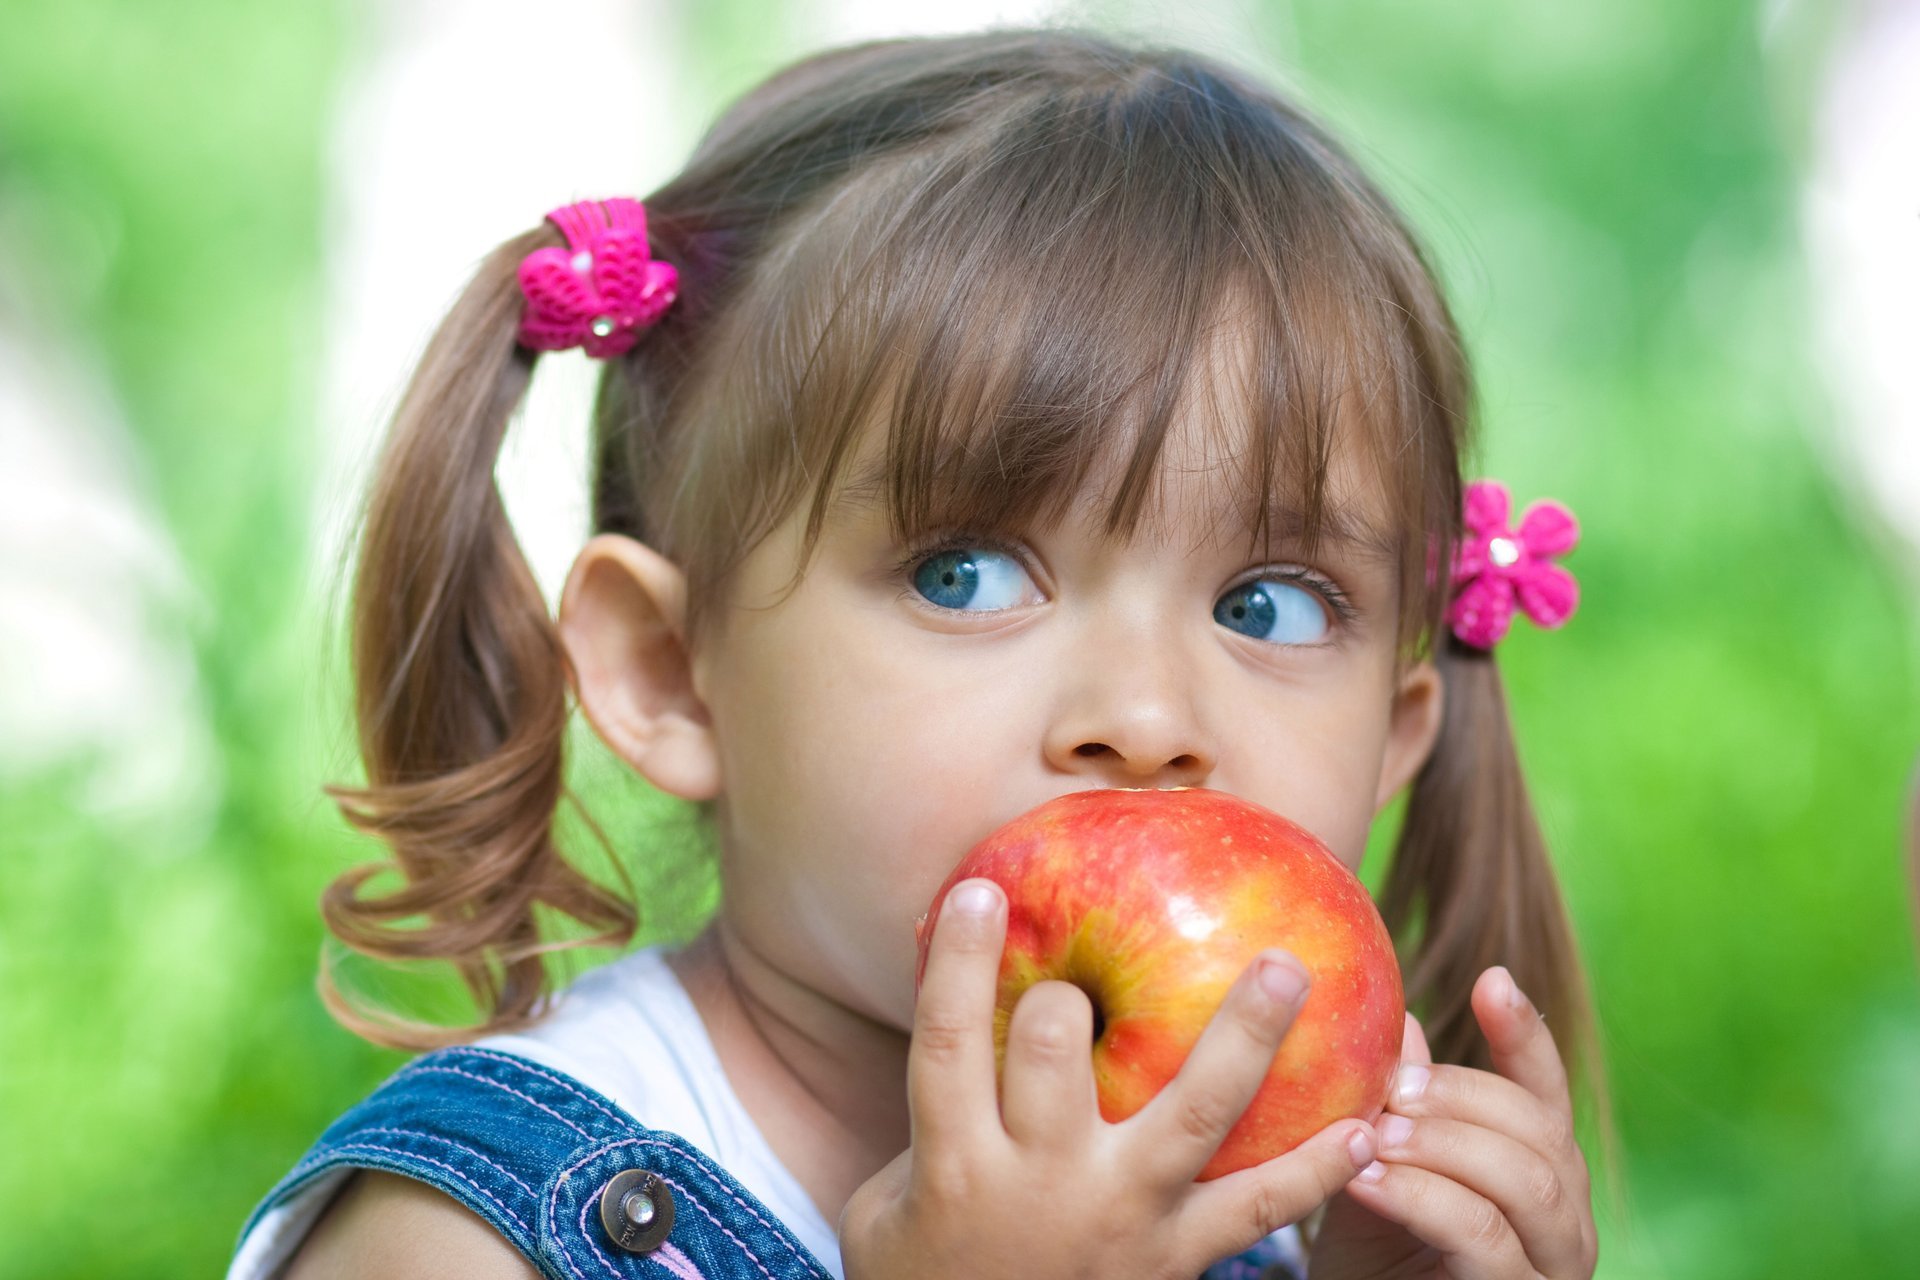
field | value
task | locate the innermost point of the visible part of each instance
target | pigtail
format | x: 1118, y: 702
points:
x: 461, y: 696
x: 1471, y: 885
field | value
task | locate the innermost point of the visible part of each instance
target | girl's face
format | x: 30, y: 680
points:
x: 902, y: 701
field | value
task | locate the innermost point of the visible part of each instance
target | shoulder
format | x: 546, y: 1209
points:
x: 382, y: 1224
x: 470, y: 1161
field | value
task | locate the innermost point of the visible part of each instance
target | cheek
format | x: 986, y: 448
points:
x: 832, y: 738
x: 1320, y: 764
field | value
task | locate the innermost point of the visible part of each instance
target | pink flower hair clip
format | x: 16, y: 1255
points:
x: 599, y: 291
x: 1496, y: 566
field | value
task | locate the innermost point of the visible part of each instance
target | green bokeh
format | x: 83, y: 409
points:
x: 1719, y: 744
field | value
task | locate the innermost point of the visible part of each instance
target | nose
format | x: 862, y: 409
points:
x: 1129, y: 715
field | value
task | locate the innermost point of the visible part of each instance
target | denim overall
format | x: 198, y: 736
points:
x: 575, y: 1183
x: 541, y: 1157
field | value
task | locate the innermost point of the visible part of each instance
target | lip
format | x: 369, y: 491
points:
x: 1076, y: 790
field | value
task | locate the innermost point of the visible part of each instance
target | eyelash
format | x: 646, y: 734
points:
x: 1336, y: 600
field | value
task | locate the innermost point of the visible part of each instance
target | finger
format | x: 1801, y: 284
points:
x: 1475, y: 1240
x: 1545, y: 1213
x: 950, y: 1067
x: 1413, y: 1043
x: 1523, y: 1048
x: 1231, y: 1213
x: 1177, y: 1132
x: 875, y: 1195
x: 1047, y: 1097
x: 1524, y: 1052
x: 1490, y: 1101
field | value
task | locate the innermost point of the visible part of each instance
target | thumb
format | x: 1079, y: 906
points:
x: 874, y: 1195
x: 1272, y: 1195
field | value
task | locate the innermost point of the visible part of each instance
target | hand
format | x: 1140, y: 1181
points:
x: 1037, y: 1185
x: 1479, y: 1176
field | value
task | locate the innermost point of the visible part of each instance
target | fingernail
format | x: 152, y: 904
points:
x: 1372, y: 1173
x: 1516, y: 998
x: 1412, y: 1082
x: 1283, y: 983
x: 974, y: 898
x: 1360, y: 1147
x: 1394, y: 1132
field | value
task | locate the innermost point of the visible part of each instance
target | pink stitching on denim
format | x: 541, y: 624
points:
x: 694, y: 1158
x: 677, y: 1262
x: 738, y: 1242
x: 504, y: 1172
x: 529, y: 1067
x: 554, y: 1197
x: 699, y: 1164
x: 455, y: 1071
x: 586, y: 1233
x: 667, y: 1255
x: 599, y: 1253
x: 411, y: 1155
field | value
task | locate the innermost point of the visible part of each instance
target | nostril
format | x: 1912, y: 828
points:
x: 1184, y: 763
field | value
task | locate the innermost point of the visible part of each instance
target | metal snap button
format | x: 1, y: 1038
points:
x: 637, y: 1210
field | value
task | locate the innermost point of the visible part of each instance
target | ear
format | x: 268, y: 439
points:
x: 623, y: 624
x: 1412, y: 727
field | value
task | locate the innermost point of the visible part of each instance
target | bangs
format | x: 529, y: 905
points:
x: 1016, y: 318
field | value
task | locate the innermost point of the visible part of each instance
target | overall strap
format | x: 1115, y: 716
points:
x: 579, y: 1186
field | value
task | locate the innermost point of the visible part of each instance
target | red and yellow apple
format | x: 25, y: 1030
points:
x: 1153, y: 902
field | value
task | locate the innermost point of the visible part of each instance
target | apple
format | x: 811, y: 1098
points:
x: 1153, y: 902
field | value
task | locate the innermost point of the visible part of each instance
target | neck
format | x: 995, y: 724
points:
x: 825, y: 1084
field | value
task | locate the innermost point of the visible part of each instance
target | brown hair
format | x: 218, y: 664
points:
x: 1010, y: 249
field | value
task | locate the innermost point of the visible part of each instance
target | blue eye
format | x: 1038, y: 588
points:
x: 1279, y: 612
x: 973, y: 578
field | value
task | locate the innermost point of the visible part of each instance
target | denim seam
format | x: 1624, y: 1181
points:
x: 400, y: 1157
x: 675, y: 1261
x: 478, y: 1079
x: 464, y: 1150
x: 691, y: 1199
x: 524, y: 1065
x: 692, y: 1156
x: 411, y: 1155
x: 694, y: 1159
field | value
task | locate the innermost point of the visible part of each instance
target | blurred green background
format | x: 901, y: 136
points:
x: 1720, y: 743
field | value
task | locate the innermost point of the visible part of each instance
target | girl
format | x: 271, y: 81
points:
x: 983, y: 419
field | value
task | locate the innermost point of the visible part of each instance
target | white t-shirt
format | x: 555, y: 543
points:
x: 628, y: 1030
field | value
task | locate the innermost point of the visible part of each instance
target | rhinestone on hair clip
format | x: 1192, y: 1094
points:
x: 602, y: 289
x: 1496, y: 566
